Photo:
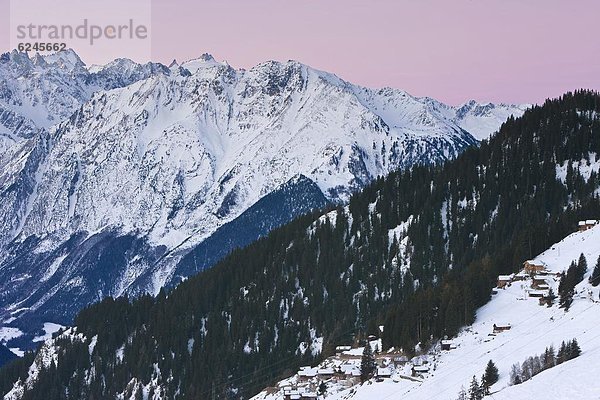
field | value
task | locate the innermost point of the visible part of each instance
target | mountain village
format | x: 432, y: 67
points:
x: 520, y: 302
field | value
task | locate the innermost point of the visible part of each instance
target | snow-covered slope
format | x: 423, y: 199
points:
x: 112, y: 171
x: 533, y: 328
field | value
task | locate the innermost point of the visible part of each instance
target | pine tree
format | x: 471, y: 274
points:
x: 491, y: 373
x: 550, y: 298
x: 549, y: 358
x: 536, y: 365
x: 475, y: 390
x: 565, y: 290
x: 595, y: 277
x: 367, y: 363
x: 527, y: 369
x: 462, y: 395
x: 574, y: 349
x: 484, y: 387
x: 515, y: 375
x: 567, y: 353
x: 562, y: 353
x: 582, y: 267
x: 323, y: 388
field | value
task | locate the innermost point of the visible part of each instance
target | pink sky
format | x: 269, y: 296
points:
x: 490, y: 50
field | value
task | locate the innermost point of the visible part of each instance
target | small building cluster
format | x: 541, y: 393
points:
x: 343, y: 370
x: 539, y: 274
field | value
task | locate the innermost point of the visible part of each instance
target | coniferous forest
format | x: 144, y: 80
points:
x: 418, y: 251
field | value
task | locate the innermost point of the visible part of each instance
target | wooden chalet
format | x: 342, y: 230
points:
x: 349, y: 370
x: 539, y: 280
x: 501, y: 328
x: 306, y: 374
x: 588, y: 224
x: 520, y: 276
x: 533, y: 267
x: 291, y: 394
x: 325, y: 373
x: 537, y: 293
x: 447, y: 345
x: 504, y: 280
x: 418, y: 370
x: 399, y: 361
x: 341, y: 349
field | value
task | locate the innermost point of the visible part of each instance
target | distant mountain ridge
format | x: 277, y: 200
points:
x: 109, y: 172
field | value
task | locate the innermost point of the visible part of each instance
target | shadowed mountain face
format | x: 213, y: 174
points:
x: 110, y: 175
x: 5, y: 355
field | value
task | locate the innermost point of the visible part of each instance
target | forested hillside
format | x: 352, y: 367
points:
x: 417, y: 251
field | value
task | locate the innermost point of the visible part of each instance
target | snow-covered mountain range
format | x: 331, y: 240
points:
x: 109, y: 175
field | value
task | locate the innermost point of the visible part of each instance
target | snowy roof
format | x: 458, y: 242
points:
x: 538, y: 292
x: 446, y: 341
x: 591, y: 222
x: 325, y: 371
x: 384, y: 372
x: 421, y: 368
x: 343, y: 348
x: 307, y: 372
x: 501, y: 325
x: 581, y: 223
x: 505, y: 277
x: 535, y: 262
